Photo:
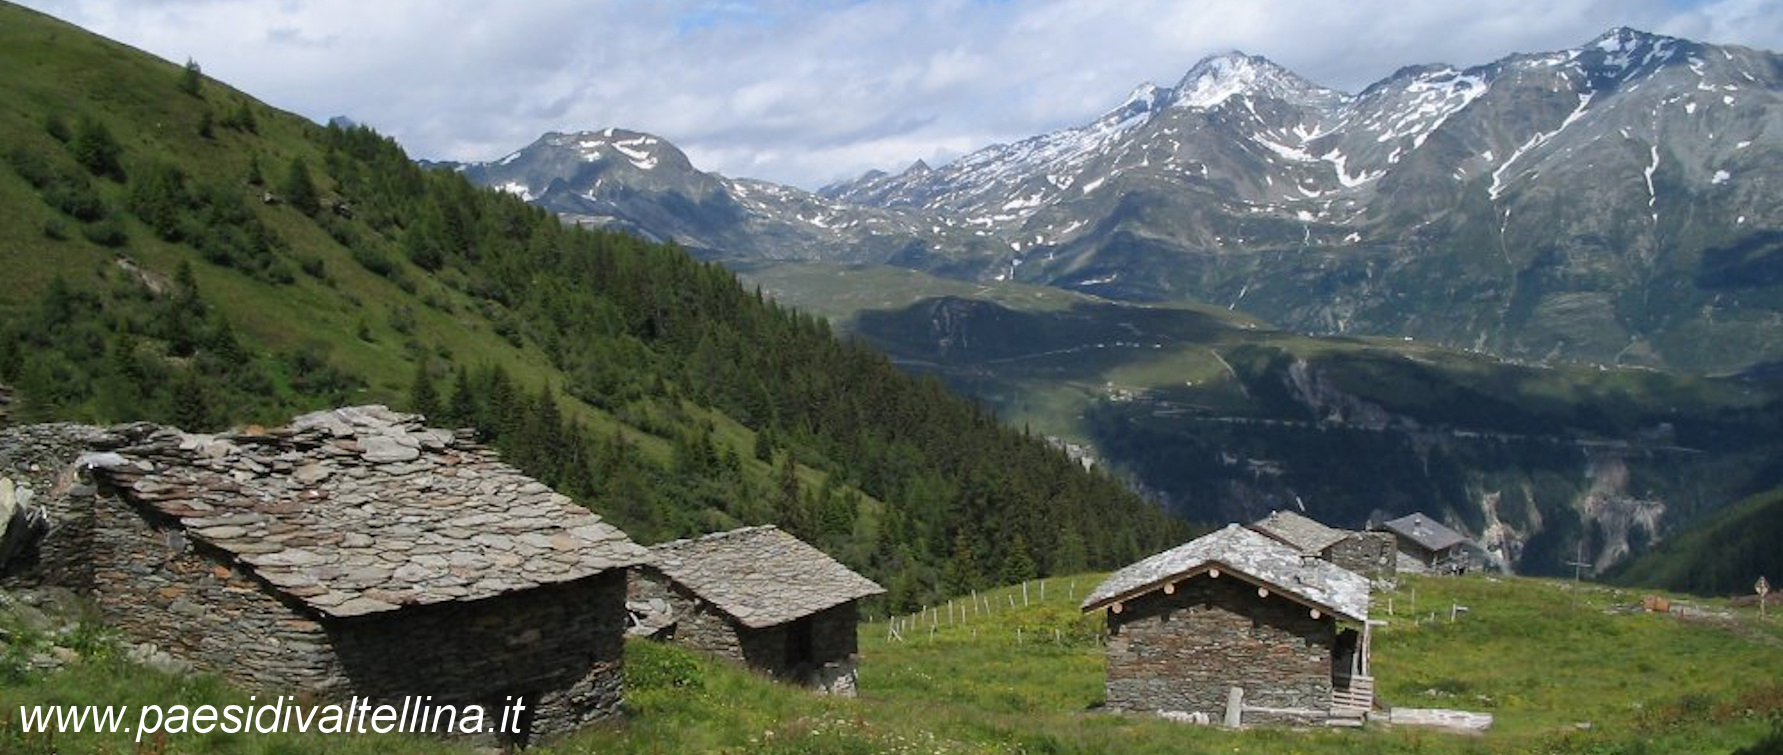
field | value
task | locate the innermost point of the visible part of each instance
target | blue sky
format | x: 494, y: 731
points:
x: 807, y: 92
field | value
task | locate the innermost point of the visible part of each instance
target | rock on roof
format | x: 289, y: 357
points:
x: 1428, y: 533
x: 760, y: 576
x: 1298, y: 531
x: 361, y: 510
x: 1240, y: 551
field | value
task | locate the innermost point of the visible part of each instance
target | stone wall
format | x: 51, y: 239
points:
x: 697, y: 625
x: 834, y: 644
x: 1371, y: 554
x: 835, y: 649
x: 560, y: 646
x: 42, y: 457
x: 158, y: 586
x: 1181, y: 653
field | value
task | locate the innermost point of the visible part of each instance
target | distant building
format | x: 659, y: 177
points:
x: 1371, y: 554
x: 354, y: 553
x: 759, y: 596
x: 1427, y: 545
x: 1237, y: 609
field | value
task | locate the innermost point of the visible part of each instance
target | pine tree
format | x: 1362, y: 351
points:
x: 423, y: 397
x: 463, y: 409
x: 191, y: 410
x: 764, y: 445
x: 192, y: 79
x: 300, y: 189
x: 790, y: 510
x: 1018, y: 565
x: 1072, y: 556
x: 962, y: 567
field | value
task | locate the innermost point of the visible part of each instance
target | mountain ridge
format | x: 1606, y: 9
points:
x: 1606, y: 203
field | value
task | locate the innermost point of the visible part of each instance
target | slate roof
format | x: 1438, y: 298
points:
x: 362, y: 510
x: 1428, y: 533
x: 1299, y: 531
x: 1249, y: 555
x: 760, y: 576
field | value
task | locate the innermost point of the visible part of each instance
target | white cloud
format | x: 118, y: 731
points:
x: 808, y: 92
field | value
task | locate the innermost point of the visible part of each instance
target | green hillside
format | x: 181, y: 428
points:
x: 1561, y: 669
x: 1723, y: 555
x: 179, y: 252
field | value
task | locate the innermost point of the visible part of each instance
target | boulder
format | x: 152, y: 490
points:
x: 21, y: 524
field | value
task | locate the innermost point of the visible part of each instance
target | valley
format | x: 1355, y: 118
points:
x: 1226, y: 419
x: 1534, y: 297
x: 1538, y: 300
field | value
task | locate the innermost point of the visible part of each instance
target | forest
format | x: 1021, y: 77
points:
x: 767, y: 415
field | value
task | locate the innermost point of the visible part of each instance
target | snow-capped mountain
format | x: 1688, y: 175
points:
x: 1618, y: 201
x: 642, y: 183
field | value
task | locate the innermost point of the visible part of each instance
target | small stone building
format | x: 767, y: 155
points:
x: 1370, y: 554
x: 1235, y: 609
x: 1426, y: 545
x: 759, y: 596
x: 357, y: 553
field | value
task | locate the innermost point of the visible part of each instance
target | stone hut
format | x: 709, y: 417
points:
x: 1370, y: 554
x: 759, y: 596
x: 1426, y: 545
x: 358, y: 553
x: 1236, y: 609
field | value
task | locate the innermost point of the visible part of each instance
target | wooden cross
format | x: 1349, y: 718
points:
x: 1579, y: 565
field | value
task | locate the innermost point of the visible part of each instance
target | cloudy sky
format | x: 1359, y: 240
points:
x: 810, y: 91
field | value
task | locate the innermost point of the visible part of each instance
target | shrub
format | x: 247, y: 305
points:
x: 107, y: 232
x: 97, y: 150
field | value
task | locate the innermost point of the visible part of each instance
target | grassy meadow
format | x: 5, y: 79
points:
x: 1559, y: 668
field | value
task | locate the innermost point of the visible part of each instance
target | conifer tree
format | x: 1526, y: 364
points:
x: 463, y: 409
x: 1018, y: 565
x: 192, y: 79
x: 423, y: 397
x: 300, y: 189
x: 191, y: 410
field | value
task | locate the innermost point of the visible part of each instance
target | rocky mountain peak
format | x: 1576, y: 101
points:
x: 1220, y: 77
x: 1623, y: 38
x: 643, y: 151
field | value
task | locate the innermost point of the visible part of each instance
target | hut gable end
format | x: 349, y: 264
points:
x: 1277, y: 567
